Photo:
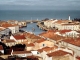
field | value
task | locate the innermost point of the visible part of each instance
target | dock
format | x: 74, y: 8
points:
x: 41, y: 26
x: 32, y: 21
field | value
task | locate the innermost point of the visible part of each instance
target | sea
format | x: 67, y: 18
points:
x: 37, y: 15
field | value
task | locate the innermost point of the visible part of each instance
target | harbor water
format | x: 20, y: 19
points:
x: 32, y: 27
x: 37, y: 14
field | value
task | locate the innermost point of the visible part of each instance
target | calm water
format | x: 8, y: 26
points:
x: 30, y: 28
x: 40, y: 14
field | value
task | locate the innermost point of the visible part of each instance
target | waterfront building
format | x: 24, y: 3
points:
x: 20, y: 23
x: 62, y: 24
x: 4, y: 31
x: 71, y: 26
x: 67, y: 33
x: 13, y: 27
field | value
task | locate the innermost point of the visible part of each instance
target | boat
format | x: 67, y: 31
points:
x: 33, y: 29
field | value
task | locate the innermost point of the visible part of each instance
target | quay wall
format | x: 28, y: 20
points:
x: 41, y: 26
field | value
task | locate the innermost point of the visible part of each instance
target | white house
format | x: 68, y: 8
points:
x: 13, y: 27
x: 62, y: 24
x: 42, y: 52
x: 4, y: 31
x: 43, y: 43
x: 59, y: 55
x: 73, y: 44
x: 67, y: 33
x: 19, y: 38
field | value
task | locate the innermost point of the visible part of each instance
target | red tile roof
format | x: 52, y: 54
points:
x: 57, y: 53
x: 64, y: 31
x: 51, y: 35
x: 8, y: 25
x: 32, y: 36
x: 40, y: 50
x: 62, y: 21
x: 48, y: 32
x: 31, y: 44
x: 18, y: 36
x: 40, y: 41
x: 47, y: 49
x: 74, y: 41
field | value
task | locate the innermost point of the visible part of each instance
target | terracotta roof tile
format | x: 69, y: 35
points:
x: 64, y: 31
x: 57, y: 53
x: 32, y: 36
x: 52, y: 35
x: 40, y: 50
x: 40, y: 41
x: 49, y: 31
x: 31, y: 44
x: 18, y: 36
x: 62, y: 21
x: 74, y: 41
x: 8, y: 25
x: 47, y: 49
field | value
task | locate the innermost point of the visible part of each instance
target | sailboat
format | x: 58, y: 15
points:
x: 33, y: 29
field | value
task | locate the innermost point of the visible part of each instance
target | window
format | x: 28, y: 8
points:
x: 43, y: 44
x: 37, y: 52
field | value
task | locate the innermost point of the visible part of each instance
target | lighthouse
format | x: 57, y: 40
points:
x: 69, y: 18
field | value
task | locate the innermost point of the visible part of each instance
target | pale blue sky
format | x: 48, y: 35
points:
x: 40, y: 4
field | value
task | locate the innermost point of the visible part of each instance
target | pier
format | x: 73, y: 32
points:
x: 32, y: 21
x: 41, y: 26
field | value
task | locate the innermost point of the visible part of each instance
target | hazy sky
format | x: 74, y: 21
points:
x: 40, y: 4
